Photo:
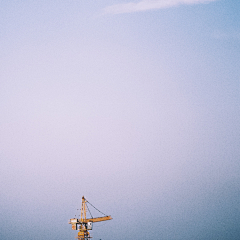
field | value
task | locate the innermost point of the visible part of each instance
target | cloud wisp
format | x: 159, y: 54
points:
x: 146, y: 5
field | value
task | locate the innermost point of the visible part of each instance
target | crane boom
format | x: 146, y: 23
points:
x: 98, y: 219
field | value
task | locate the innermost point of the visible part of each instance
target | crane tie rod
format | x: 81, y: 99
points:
x: 89, y: 210
x: 96, y: 209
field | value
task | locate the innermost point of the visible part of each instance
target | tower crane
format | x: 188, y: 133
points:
x: 84, y: 224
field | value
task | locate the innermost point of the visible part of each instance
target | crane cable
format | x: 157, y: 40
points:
x: 96, y: 208
x: 89, y: 210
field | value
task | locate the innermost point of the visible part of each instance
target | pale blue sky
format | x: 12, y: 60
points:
x: 134, y: 105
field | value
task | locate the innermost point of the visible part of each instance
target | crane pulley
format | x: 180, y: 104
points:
x: 84, y: 224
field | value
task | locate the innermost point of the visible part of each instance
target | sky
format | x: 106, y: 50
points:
x: 133, y: 104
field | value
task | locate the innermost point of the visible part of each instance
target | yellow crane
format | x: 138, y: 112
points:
x: 84, y: 224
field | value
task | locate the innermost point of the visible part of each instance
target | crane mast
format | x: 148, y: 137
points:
x: 84, y: 224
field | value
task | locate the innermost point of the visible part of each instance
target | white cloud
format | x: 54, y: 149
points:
x: 146, y: 5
